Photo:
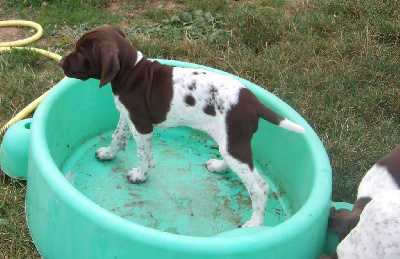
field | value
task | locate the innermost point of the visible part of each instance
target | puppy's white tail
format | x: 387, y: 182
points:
x: 271, y: 116
x: 289, y: 125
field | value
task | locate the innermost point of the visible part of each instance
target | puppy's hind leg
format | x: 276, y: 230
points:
x: 118, y: 142
x: 258, y: 190
x: 256, y: 186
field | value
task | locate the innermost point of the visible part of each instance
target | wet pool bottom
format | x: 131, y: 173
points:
x: 180, y: 196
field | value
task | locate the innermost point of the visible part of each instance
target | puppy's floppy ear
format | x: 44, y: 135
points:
x: 109, y: 63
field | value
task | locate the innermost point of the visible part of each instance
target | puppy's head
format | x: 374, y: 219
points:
x: 95, y: 55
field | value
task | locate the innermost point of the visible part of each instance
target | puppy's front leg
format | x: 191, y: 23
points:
x: 118, y: 142
x: 144, y: 144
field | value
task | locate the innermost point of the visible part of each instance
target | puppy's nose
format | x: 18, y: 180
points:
x: 61, y: 63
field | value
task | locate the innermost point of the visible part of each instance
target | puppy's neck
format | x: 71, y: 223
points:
x: 129, y: 59
x: 133, y: 65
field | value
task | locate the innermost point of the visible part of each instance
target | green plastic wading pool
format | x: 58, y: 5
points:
x: 78, y: 207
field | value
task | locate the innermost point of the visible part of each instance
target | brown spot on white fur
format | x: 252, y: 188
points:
x: 189, y: 99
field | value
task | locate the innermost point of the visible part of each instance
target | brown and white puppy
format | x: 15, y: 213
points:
x: 149, y: 94
x: 372, y: 228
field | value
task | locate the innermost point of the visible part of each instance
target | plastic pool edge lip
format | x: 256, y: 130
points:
x: 125, y: 227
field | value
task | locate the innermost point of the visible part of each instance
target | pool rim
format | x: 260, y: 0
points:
x: 315, y: 206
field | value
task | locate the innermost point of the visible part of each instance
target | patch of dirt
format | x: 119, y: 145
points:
x: 118, y: 7
x: 10, y: 34
x: 168, y: 5
x: 128, y: 10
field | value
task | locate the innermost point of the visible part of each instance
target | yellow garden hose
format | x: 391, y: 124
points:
x: 8, y: 46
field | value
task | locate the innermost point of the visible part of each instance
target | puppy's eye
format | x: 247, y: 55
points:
x: 84, y: 60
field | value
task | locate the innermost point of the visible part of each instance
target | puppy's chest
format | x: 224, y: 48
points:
x: 200, y: 96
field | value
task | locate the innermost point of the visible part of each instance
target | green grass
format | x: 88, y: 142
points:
x: 336, y: 62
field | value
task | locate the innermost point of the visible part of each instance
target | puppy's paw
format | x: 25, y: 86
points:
x: 135, y: 175
x: 218, y: 166
x: 105, y: 154
x: 252, y: 223
x: 152, y: 163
